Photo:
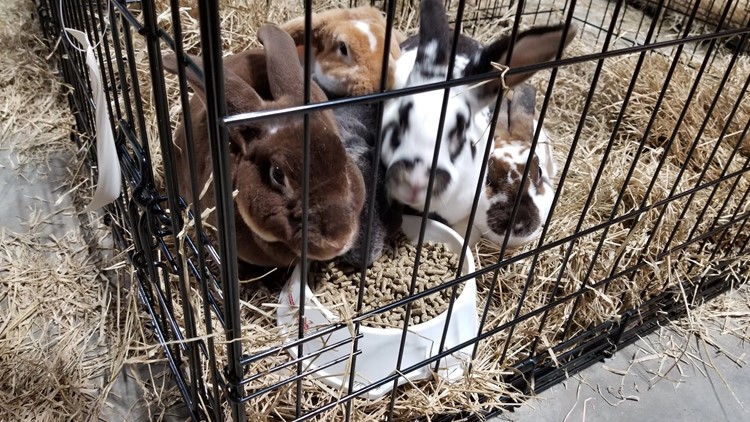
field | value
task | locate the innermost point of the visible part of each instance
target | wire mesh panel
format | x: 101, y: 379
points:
x: 587, y: 177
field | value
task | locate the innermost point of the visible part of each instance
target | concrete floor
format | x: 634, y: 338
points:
x: 642, y: 382
x: 35, y: 204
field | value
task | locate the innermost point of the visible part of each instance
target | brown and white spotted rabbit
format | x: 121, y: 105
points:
x: 513, y: 136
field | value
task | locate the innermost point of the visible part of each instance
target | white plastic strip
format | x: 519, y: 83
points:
x: 108, y: 186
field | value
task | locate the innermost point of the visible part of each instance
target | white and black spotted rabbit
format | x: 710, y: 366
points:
x: 410, y: 123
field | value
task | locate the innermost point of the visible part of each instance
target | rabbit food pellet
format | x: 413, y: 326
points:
x: 388, y: 280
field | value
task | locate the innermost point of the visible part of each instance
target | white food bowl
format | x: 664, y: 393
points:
x: 379, y: 346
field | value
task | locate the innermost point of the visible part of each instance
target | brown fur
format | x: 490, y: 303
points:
x: 533, y: 46
x: 498, y: 171
x: 268, y: 215
x: 514, y: 128
x: 359, y: 72
x: 499, y: 214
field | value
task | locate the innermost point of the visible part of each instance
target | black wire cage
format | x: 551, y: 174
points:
x: 647, y: 115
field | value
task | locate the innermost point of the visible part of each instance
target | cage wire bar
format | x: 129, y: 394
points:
x: 175, y: 262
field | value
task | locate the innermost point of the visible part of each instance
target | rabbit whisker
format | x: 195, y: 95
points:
x: 469, y: 88
x: 442, y: 201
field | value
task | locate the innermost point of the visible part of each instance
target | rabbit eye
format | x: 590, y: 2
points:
x: 277, y: 175
x: 342, y: 49
x: 540, y: 172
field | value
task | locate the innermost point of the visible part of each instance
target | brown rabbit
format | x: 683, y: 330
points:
x: 348, y: 49
x: 267, y: 159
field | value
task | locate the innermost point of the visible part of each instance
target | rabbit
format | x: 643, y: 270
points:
x: 358, y: 123
x: 410, y: 123
x: 513, y: 137
x: 348, y: 49
x: 356, y: 29
x: 267, y: 158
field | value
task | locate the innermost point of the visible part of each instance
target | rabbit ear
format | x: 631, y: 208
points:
x: 240, y: 96
x: 502, y: 129
x: 285, y: 74
x: 243, y: 135
x: 434, y: 42
x: 170, y: 64
x: 534, y: 46
x: 521, y: 112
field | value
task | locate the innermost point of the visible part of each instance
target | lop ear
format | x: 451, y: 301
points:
x: 285, y: 74
x: 170, y: 64
x: 534, y: 46
x: 240, y: 96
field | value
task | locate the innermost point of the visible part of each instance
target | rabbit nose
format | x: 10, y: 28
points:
x: 328, y: 249
x: 333, y: 233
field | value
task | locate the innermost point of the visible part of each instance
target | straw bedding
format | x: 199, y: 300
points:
x: 711, y: 11
x: 54, y: 302
x: 69, y: 331
x: 585, y: 203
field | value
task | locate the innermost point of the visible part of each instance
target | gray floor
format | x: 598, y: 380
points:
x: 643, y: 383
x: 36, y: 204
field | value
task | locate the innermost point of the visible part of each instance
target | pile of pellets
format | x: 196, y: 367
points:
x: 388, y: 280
